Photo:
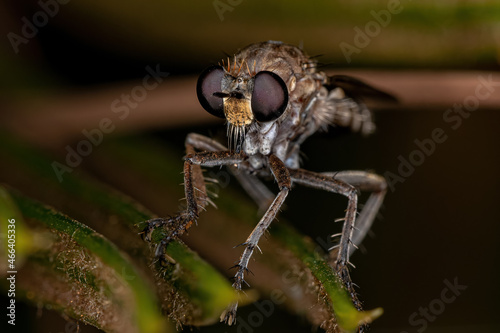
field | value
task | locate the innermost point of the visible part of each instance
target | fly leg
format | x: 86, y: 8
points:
x: 364, y: 181
x: 250, y: 183
x: 204, y: 143
x: 195, y: 197
x: 330, y: 184
x: 282, y: 176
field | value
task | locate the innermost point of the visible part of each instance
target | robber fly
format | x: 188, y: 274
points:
x: 273, y: 98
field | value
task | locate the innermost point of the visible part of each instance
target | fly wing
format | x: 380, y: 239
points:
x: 356, y: 88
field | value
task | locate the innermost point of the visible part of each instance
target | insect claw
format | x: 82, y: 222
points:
x: 229, y: 315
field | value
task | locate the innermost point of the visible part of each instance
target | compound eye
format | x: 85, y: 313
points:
x: 269, y: 97
x: 209, y: 83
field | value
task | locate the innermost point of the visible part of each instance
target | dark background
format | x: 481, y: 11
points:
x: 440, y: 224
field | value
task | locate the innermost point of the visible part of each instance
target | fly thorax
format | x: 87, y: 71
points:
x: 267, y: 135
x: 261, y: 139
x: 251, y: 148
x: 251, y: 143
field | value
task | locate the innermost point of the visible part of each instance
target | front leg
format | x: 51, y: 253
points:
x: 282, y: 176
x: 180, y: 223
x: 250, y: 183
x: 195, y: 197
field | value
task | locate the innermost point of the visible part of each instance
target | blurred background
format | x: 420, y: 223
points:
x: 66, y: 65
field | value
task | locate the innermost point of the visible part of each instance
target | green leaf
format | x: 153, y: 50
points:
x: 89, y: 270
